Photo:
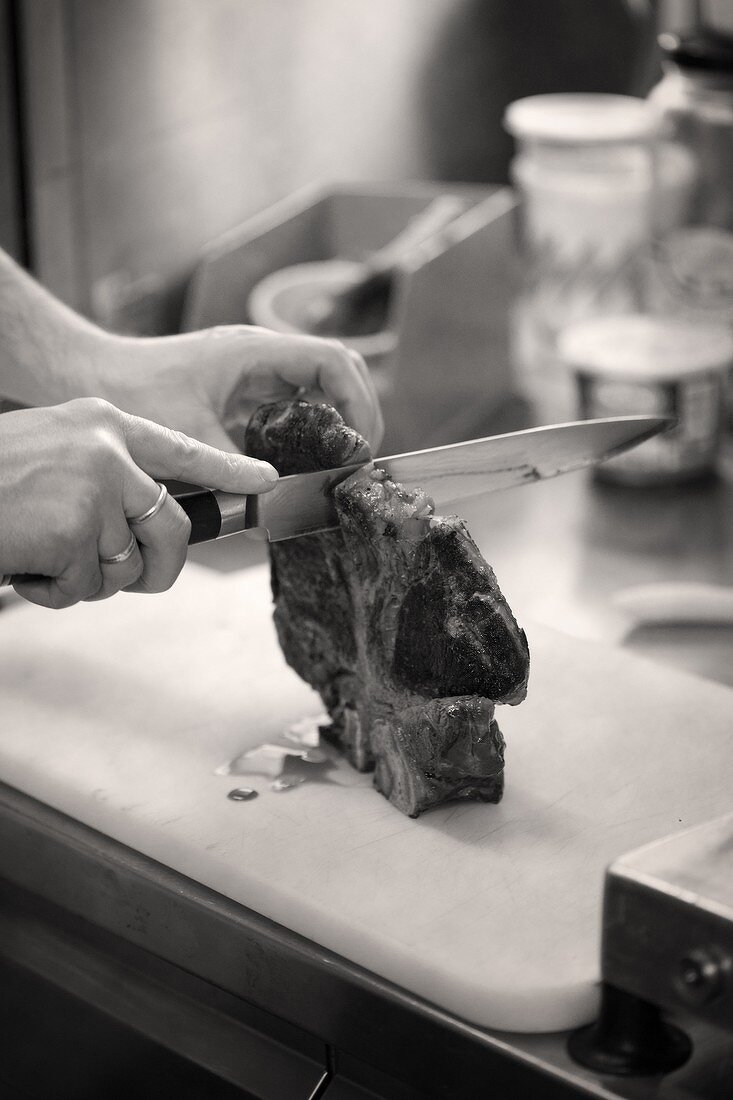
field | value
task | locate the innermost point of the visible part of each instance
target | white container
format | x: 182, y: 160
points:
x: 692, y: 272
x: 667, y: 366
x: 593, y: 180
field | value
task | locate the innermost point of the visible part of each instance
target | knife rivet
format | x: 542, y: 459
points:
x: 701, y: 975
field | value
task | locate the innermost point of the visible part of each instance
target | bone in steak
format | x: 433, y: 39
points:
x: 396, y: 619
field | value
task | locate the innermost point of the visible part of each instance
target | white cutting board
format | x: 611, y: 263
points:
x: 118, y: 714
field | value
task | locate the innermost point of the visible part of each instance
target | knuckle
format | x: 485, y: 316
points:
x: 232, y: 463
x: 103, y: 451
x: 320, y: 347
x: 187, y: 449
x: 98, y: 437
x: 340, y: 355
x: 76, y: 526
x: 94, y: 408
x: 219, y: 332
x: 356, y: 357
x: 101, y: 406
x: 64, y: 539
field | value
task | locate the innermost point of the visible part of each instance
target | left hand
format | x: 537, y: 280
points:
x: 209, y: 382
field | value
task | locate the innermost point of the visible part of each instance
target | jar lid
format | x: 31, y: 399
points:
x: 707, y: 49
x: 588, y: 118
x: 637, y: 346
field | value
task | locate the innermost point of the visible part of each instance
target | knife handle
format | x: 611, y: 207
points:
x: 212, y: 514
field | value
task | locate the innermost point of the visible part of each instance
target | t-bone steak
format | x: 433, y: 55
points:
x: 395, y: 618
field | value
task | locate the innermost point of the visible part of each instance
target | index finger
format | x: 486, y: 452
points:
x: 162, y: 452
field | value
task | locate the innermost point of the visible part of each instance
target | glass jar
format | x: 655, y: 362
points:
x: 592, y: 177
x: 691, y: 273
x: 654, y: 366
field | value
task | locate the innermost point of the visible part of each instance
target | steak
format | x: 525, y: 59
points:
x: 395, y: 619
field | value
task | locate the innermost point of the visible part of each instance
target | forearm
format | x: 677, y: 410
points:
x: 48, y: 353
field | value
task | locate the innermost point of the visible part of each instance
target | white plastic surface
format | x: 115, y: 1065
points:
x: 119, y: 713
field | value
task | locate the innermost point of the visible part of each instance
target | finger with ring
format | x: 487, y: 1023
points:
x: 118, y: 570
x: 115, y: 559
x: 162, y: 537
x: 153, y: 510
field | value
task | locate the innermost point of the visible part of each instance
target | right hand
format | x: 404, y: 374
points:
x: 70, y: 477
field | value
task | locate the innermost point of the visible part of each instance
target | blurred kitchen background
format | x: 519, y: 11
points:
x: 132, y: 134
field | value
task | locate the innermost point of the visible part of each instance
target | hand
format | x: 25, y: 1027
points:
x: 71, y: 476
x: 207, y: 383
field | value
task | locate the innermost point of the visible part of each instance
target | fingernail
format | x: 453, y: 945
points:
x: 267, y: 472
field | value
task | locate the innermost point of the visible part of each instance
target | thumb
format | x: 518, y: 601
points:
x: 162, y: 452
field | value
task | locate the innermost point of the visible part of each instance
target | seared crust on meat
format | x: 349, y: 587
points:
x: 397, y: 621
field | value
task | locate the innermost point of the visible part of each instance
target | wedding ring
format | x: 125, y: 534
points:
x: 151, y: 511
x: 123, y: 556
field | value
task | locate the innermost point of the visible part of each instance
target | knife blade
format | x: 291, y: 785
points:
x: 302, y: 504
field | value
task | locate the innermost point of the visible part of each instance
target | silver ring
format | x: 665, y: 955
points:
x: 123, y: 556
x: 151, y: 511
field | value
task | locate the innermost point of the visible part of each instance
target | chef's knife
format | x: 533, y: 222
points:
x: 303, y: 503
